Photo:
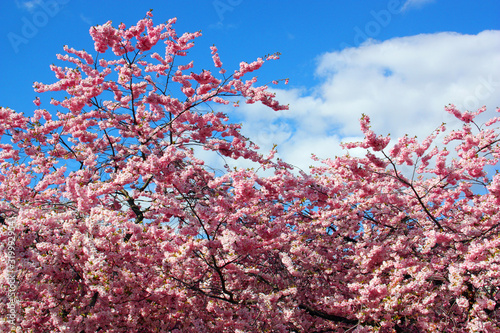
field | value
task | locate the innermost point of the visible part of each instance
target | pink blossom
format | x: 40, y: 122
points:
x: 119, y: 222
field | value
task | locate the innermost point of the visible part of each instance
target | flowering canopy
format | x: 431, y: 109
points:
x: 120, y: 227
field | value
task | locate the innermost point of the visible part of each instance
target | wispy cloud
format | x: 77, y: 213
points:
x: 410, y: 4
x: 221, y: 26
x: 28, y: 5
x: 86, y: 19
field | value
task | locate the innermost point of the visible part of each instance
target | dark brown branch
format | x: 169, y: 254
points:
x: 426, y: 210
x: 321, y: 314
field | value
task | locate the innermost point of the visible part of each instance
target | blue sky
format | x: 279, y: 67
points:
x: 400, y: 61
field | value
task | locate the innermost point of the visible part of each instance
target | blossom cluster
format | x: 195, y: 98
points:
x: 122, y: 227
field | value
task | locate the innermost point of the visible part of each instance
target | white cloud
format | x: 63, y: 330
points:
x: 409, y: 4
x: 403, y: 84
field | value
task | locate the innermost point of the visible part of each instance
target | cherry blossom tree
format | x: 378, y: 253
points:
x: 121, y: 227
